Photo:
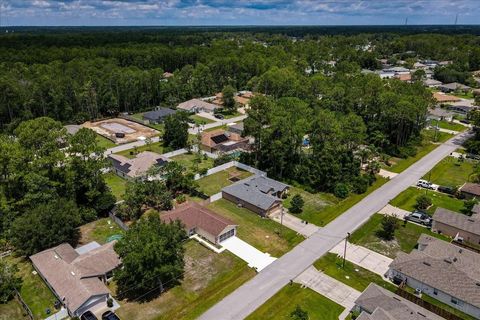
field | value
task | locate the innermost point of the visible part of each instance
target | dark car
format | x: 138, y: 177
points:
x: 465, y: 121
x: 109, y: 315
x: 88, y: 316
x: 219, y: 116
x: 447, y: 190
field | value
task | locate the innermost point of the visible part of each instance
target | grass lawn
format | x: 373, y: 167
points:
x: 447, y: 307
x: 285, y: 301
x: 229, y: 115
x: 314, y: 202
x: 104, y: 142
x: 223, y: 127
x: 406, y: 200
x: 154, y: 147
x: 99, y: 231
x: 116, y: 184
x: 336, y: 206
x: 214, y: 183
x: 264, y: 234
x: 353, y: 275
x: 405, y: 240
x: 200, y: 120
x: 12, y: 310
x: 209, y: 277
x: 188, y: 161
x: 34, y: 291
x: 451, y: 172
x: 450, y: 125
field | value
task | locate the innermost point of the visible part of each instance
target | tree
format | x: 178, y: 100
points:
x: 299, y: 314
x: 389, y: 225
x: 341, y: 190
x: 143, y: 194
x: 176, y: 130
x: 418, y: 75
x: 468, y: 206
x: 152, y: 257
x: 296, y: 205
x: 422, y: 202
x: 9, y: 281
x: 177, y: 178
x: 45, y: 226
x: 228, y: 97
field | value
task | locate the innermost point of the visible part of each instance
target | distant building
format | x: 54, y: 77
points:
x: 157, y: 116
x: 197, y: 105
x: 431, y: 83
x: 236, y: 128
x: 168, y: 75
x: 454, y: 86
x: 223, y: 141
x: 138, y: 166
x: 470, y: 190
x: 457, y: 225
x: 445, y: 98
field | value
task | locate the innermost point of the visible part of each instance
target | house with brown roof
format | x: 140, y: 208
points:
x: 443, y: 271
x: 201, y: 221
x: 223, y: 141
x: 445, y: 98
x: 242, y: 98
x: 78, y: 277
x: 457, y: 225
x: 138, y: 166
x: 197, y: 105
x: 470, y: 190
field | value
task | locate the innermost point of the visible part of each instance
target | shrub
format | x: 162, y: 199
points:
x: 299, y: 314
x: 181, y: 198
x: 296, y: 206
x: 423, y: 202
x: 389, y: 225
x: 468, y: 206
x: 203, y: 171
x: 341, y: 190
x: 360, y: 184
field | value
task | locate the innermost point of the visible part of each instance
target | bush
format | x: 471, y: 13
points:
x: 468, y: 206
x: 423, y: 202
x: 389, y: 225
x: 109, y: 302
x: 203, y: 171
x: 296, y: 206
x: 299, y: 314
x: 360, y: 184
x: 181, y: 198
x: 224, y: 158
x: 341, y: 190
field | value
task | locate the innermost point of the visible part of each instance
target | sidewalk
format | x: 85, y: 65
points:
x: 294, y: 223
x: 365, y: 258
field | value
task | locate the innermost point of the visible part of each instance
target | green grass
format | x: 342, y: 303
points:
x: 281, y: 305
x: 223, y: 127
x: 449, y: 125
x: 406, y: 200
x: 116, y: 184
x: 156, y: 147
x: 104, y: 142
x: 451, y: 172
x: 188, y: 161
x: 264, y: 234
x: 463, y: 95
x: 99, y: 230
x: 447, y: 307
x: 406, y: 237
x: 337, y: 206
x: 352, y: 275
x: 313, y: 202
x: 200, y: 120
x: 209, y: 277
x: 34, y: 291
x: 214, y: 183
x: 12, y: 310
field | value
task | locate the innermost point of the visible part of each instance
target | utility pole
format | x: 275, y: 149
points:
x: 345, y: 250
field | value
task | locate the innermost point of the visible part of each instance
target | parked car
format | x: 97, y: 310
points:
x: 219, y: 116
x: 447, y: 190
x: 425, y: 184
x: 419, y: 217
x: 465, y: 121
x: 109, y: 315
x: 472, y: 156
x: 88, y: 316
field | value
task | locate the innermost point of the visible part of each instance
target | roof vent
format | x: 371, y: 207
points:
x: 427, y: 264
x: 72, y: 273
x: 56, y: 256
x: 455, y: 259
x: 478, y: 284
x: 460, y: 251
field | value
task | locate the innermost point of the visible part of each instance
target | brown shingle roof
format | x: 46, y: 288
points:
x: 445, y: 97
x: 139, y: 165
x: 472, y: 188
x: 193, y: 215
x: 458, y: 220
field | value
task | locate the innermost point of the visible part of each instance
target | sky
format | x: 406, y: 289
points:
x: 236, y: 12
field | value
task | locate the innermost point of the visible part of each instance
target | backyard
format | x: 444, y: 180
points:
x: 405, y: 239
x: 264, y: 234
x: 12, y: 310
x: 352, y: 275
x: 407, y: 200
x: 139, y: 116
x: 451, y: 172
x: 209, y: 277
x: 188, y: 160
x: 156, y: 147
x: 99, y: 230
x: 116, y: 184
x: 281, y: 305
x: 214, y: 183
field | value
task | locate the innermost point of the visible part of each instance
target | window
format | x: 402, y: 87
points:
x: 435, y: 291
x: 454, y: 301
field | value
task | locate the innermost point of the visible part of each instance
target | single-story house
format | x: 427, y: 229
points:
x: 461, y: 108
x: 385, y: 74
x: 443, y: 271
x: 445, y: 98
x: 431, y: 83
x: 257, y: 193
x: 454, y: 86
x: 440, y: 114
x: 397, y: 70
x: 242, y: 98
x: 138, y: 166
x: 223, y: 141
x: 77, y: 278
x: 377, y: 303
x: 470, y: 190
x: 158, y: 115
x: 167, y: 75
x: 201, y: 221
x: 197, y: 105
x: 406, y: 77
x: 456, y: 225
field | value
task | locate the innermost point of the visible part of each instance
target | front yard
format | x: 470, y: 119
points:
x: 451, y: 172
x: 209, y: 277
x: 116, y: 184
x: 262, y: 233
x: 99, y: 230
x: 405, y: 240
x: 188, y: 161
x: 200, y: 120
x: 450, y: 125
x: 281, y: 305
x: 406, y: 200
x: 104, y: 142
x: 156, y: 147
x: 214, y: 183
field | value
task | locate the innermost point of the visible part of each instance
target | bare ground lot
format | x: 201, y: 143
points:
x: 132, y: 130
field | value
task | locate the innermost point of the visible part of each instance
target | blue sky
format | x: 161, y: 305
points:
x: 237, y: 12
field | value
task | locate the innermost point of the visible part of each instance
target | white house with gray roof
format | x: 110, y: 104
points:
x: 443, y: 271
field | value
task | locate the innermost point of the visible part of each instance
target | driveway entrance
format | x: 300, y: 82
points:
x: 255, y: 258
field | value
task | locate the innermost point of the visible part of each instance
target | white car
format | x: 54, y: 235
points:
x: 425, y: 184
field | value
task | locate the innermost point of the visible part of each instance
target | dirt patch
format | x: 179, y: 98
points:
x: 121, y: 130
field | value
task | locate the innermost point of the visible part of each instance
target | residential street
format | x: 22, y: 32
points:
x: 219, y: 123
x: 257, y: 291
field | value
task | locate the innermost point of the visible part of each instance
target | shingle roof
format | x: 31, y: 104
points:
x: 158, y: 114
x: 139, y: 165
x: 74, y: 276
x: 443, y: 266
x: 472, y: 188
x: 445, y: 97
x: 382, y: 304
x: 191, y: 104
x: 458, y: 220
x: 193, y: 215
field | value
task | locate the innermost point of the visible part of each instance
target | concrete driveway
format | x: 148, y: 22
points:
x: 364, y: 257
x: 255, y: 258
x: 296, y: 224
x: 390, y: 210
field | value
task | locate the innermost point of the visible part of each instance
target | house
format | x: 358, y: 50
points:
x: 138, y: 166
x: 457, y: 225
x: 470, y: 190
x: 197, y: 105
x: 431, y: 83
x: 397, y: 70
x: 236, y: 128
x: 77, y: 277
x: 406, y: 77
x: 443, y: 271
x: 242, y: 98
x: 386, y: 75
x: 199, y: 220
x: 72, y: 128
x: 454, y: 86
x: 445, y: 98
x: 259, y: 194
x: 377, y: 303
x: 167, y: 75
x: 158, y: 115
x: 461, y: 108
x: 440, y: 114
x: 223, y: 141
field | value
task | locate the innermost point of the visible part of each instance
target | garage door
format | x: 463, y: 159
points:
x: 226, y: 235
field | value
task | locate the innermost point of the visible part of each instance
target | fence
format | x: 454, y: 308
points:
x: 175, y: 153
x: 24, y: 305
x: 229, y: 165
x: 427, y: 305
x: 117, y: 220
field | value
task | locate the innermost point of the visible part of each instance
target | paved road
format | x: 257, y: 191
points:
x: 128, y: 146
x: 194, y: 130
x: 270, y: 280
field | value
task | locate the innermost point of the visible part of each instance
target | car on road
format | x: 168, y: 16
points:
x: 109, y: 315
x: 419, y: 217
x: 88, y: 316
x: 425, y: 184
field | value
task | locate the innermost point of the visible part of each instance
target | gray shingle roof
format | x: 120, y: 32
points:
x: 458, y: 220
x: 159, y: 114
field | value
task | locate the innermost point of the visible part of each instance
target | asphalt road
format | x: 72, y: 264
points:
x: 270, y: 280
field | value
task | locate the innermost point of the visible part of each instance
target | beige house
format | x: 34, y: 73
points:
x: 470, y: 190
x: 138, y: 166
x: 197, y: 105
x: 457, y: 225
